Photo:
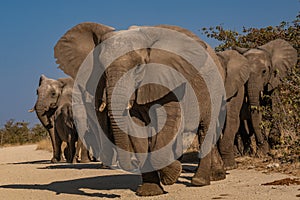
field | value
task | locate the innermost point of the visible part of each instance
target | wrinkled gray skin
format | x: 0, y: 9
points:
x: 237, y: 70
x: 54, y: 110
x: 73, y: 48
x: 269, y: 64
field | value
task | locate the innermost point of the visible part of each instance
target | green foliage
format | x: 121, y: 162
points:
x: 286, y: 115
x: 19, y: 133
x: 253, y: 37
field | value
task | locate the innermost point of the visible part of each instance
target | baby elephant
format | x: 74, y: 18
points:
x: 54, y: 110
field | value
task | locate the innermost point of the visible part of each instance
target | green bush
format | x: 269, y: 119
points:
x: 19, y: 133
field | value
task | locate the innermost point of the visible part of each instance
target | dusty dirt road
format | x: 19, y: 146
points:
x: 26, y: 173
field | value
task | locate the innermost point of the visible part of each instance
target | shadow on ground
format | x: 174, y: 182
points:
x: 63, y: 165
x: 77, y: 186
x: 76, y: 166
x: 31, y: 162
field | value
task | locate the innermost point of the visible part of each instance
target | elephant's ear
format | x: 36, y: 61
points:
x: 66, y: 81
x: 73, y: 47
x: 283, y: 57
x: 42, y: 78
x: 236, y: 69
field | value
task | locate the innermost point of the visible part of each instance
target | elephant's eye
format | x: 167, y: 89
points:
x: 264, y: 71
x: 53, y: 94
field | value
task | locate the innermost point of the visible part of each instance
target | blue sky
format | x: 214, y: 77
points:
x: 30, y: 29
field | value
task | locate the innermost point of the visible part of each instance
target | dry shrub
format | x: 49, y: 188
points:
x: 46, y: 145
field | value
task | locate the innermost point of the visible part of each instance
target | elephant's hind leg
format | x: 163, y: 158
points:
x: 151, y: 185
x: 84, y: 153
x: 217, y: 166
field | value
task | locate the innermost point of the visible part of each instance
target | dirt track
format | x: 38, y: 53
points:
x: 27, y: 174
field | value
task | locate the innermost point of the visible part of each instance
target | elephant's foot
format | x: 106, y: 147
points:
x: 217, y: 174
x: 75, y: 160
x: 55, y: 160
x: 151, y: 185
x: 84, y: 160
x: 171, y: 173
x: 71, y: 160
x: 262, y: 150
x: 85, y: 157
x: 201, y: 178
x: 229, y: 163
x: 200, y: 181
x: 150, y: 189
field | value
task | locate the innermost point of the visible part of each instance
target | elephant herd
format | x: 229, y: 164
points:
x: 246, y: 74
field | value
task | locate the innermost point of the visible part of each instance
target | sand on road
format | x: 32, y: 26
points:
x: 26, y: 173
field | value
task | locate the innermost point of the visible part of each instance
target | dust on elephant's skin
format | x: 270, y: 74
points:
x: 74, y: 46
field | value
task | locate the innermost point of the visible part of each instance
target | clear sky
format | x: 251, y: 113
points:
x: 30, y: 29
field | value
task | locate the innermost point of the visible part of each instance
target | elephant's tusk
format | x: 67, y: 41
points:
x: 102, y: 106
x: 261, y: 94
x: 31, y: 110
x: 129, y: 106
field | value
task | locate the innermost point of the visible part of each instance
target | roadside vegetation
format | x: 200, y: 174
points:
x: 19, y: 133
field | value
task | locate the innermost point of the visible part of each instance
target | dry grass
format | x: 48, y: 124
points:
x: 46, y: 145
x: 268, y: 165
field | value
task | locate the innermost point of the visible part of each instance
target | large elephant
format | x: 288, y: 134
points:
x: 53, y: 108
x: 72, y: 49
x: 269, y: 64
x: 237, y: 70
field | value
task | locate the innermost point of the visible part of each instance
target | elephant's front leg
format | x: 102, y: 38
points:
x: 203, y: 173
x: 54, y: 158
x: 72, y: 149
x: 169, y: 174
x: 210, y: 168
x: 151, y: 185
x: 57, y: 147
x: 226, y: 143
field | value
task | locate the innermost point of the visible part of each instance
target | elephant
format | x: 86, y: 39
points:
x: 237, y: 70
x: 75, y: 46
x: 54, y: 110
x: 269, y: 64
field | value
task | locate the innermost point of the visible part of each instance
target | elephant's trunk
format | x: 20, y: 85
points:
x: 45, y: 118
x: 254, y: 101
x: 118, y: 123
x: 41, y: 113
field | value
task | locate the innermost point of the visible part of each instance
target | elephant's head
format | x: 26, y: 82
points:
x: 49, y: 92
x: 269, y: 64
x: 236, y: 69
x: 131, y: 64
